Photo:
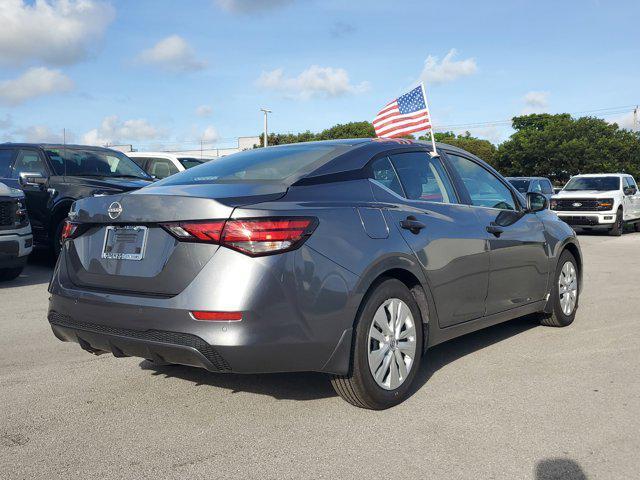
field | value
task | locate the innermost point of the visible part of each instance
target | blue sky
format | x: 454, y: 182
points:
x: 161, y: 73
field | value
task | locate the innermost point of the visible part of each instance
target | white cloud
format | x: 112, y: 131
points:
x: 535, y: 102
x: 172, y: 54
x: 626, y: 121
x: 58, y: 32
x: 44, y: 134
x: 35, y: 82
x: 112, y: 130
x: 251, y: 6
x: 448, y: 69
x: 204, y: 111
x: 6, y: 122
x: 315, y: 80
x: 210, y: 135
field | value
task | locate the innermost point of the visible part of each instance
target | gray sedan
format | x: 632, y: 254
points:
x: 348, y: 257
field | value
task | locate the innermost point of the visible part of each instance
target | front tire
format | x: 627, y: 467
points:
x: 618, y: 227
x: 387, y: 348
x: 565, y: 293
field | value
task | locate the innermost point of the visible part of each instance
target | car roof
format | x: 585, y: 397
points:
x: 526, y: 178
x: 602, y: 175
x: 359, y: 151
x: 56, y: 145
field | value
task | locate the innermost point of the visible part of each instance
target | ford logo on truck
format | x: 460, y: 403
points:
x: 577, y: 204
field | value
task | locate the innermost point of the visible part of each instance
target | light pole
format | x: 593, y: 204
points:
x: 266, y: 132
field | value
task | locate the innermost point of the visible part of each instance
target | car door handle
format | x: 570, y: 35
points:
x: 495, y: 230
x: 412, y: 224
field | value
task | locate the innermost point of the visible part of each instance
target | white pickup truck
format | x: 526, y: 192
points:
x: 599, y: 200
x: 16, y: 241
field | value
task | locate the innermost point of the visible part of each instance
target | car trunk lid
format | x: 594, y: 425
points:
x: 166, y: 265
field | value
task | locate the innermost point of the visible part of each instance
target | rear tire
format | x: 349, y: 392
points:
x: 618, y: 227
x: 8, y: 274
x: 563, y: 287
x: 393, y: 353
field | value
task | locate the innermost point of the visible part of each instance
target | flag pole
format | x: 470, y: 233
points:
x: 426, y: 104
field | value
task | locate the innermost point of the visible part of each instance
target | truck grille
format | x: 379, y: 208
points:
x: 7, y: 213
x: 577, y: 204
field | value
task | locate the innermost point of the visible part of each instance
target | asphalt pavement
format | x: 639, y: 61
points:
x: 515, y: 401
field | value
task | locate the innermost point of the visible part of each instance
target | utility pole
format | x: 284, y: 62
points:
x: 635, y: 119
x: 266, y: 131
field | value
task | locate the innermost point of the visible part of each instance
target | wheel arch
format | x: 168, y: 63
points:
x: 574, y: 249
x: 411, y: 275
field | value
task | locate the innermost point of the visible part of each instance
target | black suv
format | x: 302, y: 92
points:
x: 54, y: 176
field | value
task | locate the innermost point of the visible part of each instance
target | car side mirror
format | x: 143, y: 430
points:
x: 32, y: 179
x: 536, y: 202
x: 630, y: 190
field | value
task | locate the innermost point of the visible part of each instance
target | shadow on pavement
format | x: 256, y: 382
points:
x: 313, y: 386
x: 559, y: 469
x: 282, y: 386
x: 442, y: 355
x: 38, y: 270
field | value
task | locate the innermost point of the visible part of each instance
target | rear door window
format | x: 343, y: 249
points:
x: 6, y: 157
x: 485, y: 189
x: 423, y: 177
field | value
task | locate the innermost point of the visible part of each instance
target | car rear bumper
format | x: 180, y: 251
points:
x: 289, y: 322
x: 587, y: 218
x: 156, y: 345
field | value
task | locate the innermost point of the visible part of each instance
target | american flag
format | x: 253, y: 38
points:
x: 406, y: 114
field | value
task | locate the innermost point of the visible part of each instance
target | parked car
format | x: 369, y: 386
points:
x: 162, y: 164
x: 606, y: 201
x: 532, y: 184
x: 54, y: 176
x: 348, y: 257
x: 16, y: 241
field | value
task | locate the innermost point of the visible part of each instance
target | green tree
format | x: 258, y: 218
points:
x: 346, y: 130
x: 479, y: 147
x: 558, y: 146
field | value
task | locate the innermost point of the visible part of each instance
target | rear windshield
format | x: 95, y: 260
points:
x: 601, y: 184
x: 261, y: 164
x: 190, y: 162
x: 88, y: 162
x: 521, y: 185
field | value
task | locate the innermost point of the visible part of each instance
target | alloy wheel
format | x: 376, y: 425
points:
x: 392, y: 344
x: 568, y: 288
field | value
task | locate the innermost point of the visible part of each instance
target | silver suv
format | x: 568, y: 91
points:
x: 16, y: 241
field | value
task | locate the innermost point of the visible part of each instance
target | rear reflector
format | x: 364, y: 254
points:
x: 252, y: 236
x: 218, y: 316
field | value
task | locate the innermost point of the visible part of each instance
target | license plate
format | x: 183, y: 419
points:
x: 125, y: 243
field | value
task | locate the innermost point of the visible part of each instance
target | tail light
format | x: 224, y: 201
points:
x: 69, y: 230
x: 252, y: 236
